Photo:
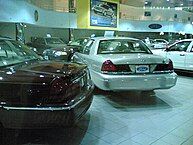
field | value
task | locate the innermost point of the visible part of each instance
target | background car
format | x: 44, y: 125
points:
x: 148, y: 42
x: 181, y: 53
x: 38, y: 94
x: 119, y: 63
x: 51, y: 48
x: 159, y: 43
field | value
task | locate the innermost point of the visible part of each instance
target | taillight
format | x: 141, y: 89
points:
x: 164, y: 67
x: 108, y: 66
x: 170, y: 65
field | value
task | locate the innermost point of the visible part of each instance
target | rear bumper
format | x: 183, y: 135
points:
x: 43, y: 117
x: 134, y: 82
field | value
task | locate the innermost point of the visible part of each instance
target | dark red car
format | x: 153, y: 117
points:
x: 36, y: 93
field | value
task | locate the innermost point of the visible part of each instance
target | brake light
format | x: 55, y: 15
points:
x: 108, y: 66
x: 164, y: 67
x: 170, y: 65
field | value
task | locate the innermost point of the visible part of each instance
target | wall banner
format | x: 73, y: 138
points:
x: 103, y: 13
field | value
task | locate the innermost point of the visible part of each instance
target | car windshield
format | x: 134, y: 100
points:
x: 122, y: 46
x: 105, y: 6
x: 80, y: 42
x: 54, y: 41
x: 12, y: 52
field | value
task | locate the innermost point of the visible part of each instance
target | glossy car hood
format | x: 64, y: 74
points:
x: 29, y: 84
x: 41, y: 70
x: 135, y: 58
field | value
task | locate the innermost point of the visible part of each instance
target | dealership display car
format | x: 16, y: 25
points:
x: 104, y: 10
x: 159, y: 43
x: 35, y: 93
x: 181, y: 53
x: 51, y: 48
x: 118, y: 63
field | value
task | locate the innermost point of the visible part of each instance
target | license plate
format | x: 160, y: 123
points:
x: 142, y: 69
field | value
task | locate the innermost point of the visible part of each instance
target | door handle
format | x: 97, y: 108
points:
x: 182, y: 54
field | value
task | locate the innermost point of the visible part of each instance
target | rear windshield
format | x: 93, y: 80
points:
x: 54, y: 41
x: 116, y: 46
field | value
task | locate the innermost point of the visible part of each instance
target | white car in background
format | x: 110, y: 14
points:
x: 159, y: 43
x: 118, y: 63
x: 181, y: 53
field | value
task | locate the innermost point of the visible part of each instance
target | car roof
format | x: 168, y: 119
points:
x: 186, y: 40
x: 108, y: 38
x: 182, y: 40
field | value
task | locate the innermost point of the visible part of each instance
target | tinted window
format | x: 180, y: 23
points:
x: 12, y: 52
x: 54, y: 41
x: 80, y: 42
x: 122, y: 46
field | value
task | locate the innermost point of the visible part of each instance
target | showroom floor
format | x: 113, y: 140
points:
x: 164, y: 117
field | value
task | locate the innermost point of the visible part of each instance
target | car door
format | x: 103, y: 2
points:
x: 177, y: 53
x: 189, y: 58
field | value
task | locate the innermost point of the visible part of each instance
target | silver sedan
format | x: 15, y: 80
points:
x: 119, y: 63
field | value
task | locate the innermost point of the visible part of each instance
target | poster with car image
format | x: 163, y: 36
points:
x: 103, y: 13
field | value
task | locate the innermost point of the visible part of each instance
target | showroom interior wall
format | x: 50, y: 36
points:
x: 20, y: 11
x: 49, y: 22
x: 23, y: 12
x: 8, y: 29
x: 157, y: 13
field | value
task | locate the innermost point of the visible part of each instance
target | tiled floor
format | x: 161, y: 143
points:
x: 163, y: 117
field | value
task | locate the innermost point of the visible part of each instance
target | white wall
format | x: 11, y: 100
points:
x: 13, y: 11
x: 20, y: 11
x: 142, y: 26
x: 137, y: 13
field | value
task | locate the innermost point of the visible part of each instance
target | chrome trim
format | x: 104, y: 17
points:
x: 134, y: 73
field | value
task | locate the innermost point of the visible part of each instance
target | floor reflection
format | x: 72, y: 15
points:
x: 54, y: 136
x: 132, y: 99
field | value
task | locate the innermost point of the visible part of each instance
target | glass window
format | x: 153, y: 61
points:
x: 80, y: 42
x: 12, y: 52
x: 54, y: 41
x: 181, y: 46
x: 122, y: 46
